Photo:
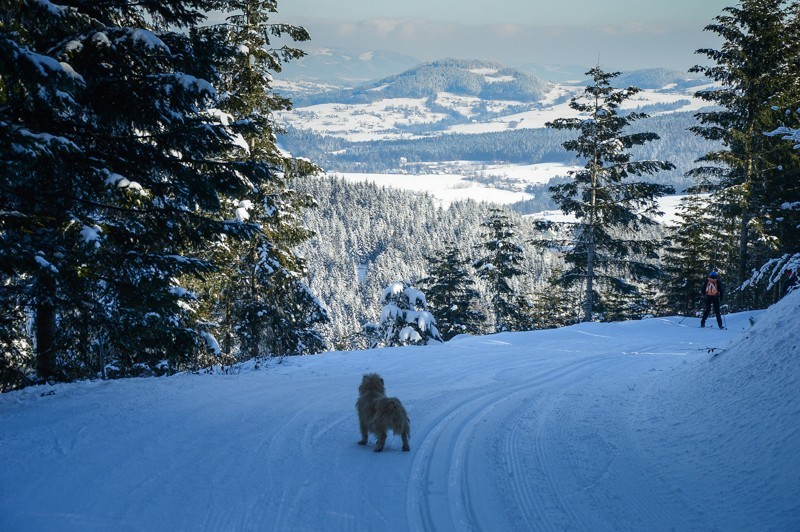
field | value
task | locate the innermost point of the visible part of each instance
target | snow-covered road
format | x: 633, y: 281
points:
x: 591, y: 427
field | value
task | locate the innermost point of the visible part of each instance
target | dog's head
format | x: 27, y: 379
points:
x: 371, y: 383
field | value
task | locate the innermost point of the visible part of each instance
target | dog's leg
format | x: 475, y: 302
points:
x: 381, y: 442
x: 364, y: 433
x: 405, y: 442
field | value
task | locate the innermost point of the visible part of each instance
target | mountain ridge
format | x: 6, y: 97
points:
x: 463, y: 77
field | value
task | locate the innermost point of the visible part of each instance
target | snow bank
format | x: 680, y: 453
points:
x: 728, y: 425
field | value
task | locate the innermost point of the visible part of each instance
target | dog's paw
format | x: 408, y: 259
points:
x: 362, y: 442
x: 378, y: 449
x: 406, y: 448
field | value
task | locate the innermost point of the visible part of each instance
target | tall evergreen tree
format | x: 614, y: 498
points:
x: 776, y: 274
x: 755, y: 71
x: 609, y: 206
x: 264, y: 301
x: 500, y: 263
x: 452, y: 296
x: 117, y: 167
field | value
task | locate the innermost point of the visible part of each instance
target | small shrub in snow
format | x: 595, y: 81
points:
x: 405, y: 319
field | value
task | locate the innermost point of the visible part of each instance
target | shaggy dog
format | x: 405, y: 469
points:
x: 378, y: 413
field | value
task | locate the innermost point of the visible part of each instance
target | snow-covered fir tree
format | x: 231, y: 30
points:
x: 553, y: 305
x: 452, y: 296
x: 780, y: 272
x: 499, y: 263
x: 751, y: 175
x: 263, y: 301
x: 607, y: 252
x: 404, y: 320
x: 117, y: 168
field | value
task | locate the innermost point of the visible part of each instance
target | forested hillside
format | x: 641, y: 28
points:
x: 368, y: 237
x: 523, y: 146
x: 481, y: 79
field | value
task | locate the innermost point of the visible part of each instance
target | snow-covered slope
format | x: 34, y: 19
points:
x: 472, y: 97
x: 620, y: 426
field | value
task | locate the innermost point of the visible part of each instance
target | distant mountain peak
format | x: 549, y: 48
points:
x: 464, y: 77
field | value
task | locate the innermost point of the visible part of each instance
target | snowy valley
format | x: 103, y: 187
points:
x: 424, y: 129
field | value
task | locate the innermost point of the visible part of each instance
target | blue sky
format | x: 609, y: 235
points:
x: 621, y: 34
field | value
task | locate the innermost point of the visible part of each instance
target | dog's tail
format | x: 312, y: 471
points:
x: 392, y: 408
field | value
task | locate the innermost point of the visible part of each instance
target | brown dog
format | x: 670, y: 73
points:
x: 378, y: 413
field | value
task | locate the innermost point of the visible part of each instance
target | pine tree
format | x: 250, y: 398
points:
x: 755, y: 71
x: 263, y: 300
x: 452, y: 296
x: 405, y: 319
x: 611, y: 209
x: 498, y: 267
x: 554, y: 306
x: 691, y: 253
x: 117, y: 169
x: 783, y: 218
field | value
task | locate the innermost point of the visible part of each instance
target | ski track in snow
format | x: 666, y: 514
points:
x: 451, y: 461
x: 567, y: 429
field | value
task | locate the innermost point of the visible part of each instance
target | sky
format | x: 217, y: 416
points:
x: 654, y: 424
x: 622, y: 34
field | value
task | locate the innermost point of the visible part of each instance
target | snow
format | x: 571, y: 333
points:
x: 52, y: 8
x: 387, y: 118
x: 44, y: 263
x: 620, y: 426
x: 394, y: 289
x: 148, y: 39
x: 100, y: 39
x: 444, y: 188
x: 191, y: 83
x: 362, y: 122
x: 91, y: 235
x: 450, y: 187
x: 67, y: 68
x: 212, y: 343
x: 407, y: 334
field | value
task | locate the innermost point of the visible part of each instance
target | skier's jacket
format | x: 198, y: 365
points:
x: 712, y: 288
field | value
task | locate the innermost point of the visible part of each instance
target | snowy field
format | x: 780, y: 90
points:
x: 450, y: 187
x: 444, y: 188
x: 385, y: 119
x: 452, y: 182
x: 621, y: 426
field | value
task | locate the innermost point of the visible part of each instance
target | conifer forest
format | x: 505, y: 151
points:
x: 152, y: 221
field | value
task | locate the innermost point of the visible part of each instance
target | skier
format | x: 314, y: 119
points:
x: 712, y: 292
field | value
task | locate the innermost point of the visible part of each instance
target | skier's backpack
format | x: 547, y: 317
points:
x: 711, y: 288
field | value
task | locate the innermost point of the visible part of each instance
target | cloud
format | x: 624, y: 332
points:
x: 507, y: 29
x: 395, y: 28
x: 622, y: 46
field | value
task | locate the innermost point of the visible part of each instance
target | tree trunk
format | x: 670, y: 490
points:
x: 742, y: 269
x: 589, y: 308
x: 45, y: 331
x: 744, y: 236
x: 590, y: 249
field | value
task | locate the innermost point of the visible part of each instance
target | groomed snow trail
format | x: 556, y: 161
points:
x: 548, y: 430
x: 545, y: 445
